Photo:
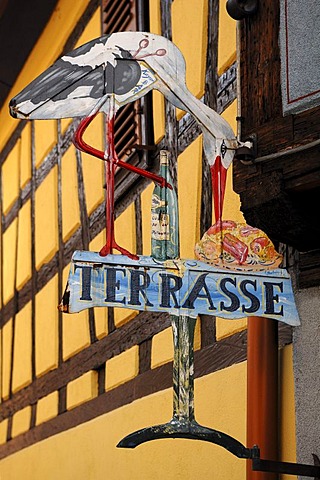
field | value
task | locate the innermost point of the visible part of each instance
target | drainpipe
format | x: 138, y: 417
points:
x: 262, y: 392
x: 262, y: 365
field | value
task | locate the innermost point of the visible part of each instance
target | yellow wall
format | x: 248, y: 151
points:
x: 9, y: 260
x: 189, y: 185
x: 6, y: 334
x: 46, y: 328
x: 227, y: 39
x: 69, y: 187
x: 287, y: 430
x: 46, y: 218
x: 22, y: 373
x: 21, y: 421
x: 82, y: 389
x: 47, y: 408
x: 189, y: 33
x: 43, y: 55
x: 10, y: 177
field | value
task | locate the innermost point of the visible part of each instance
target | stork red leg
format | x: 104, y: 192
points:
x: 85, y: 147
x: 112, y: 162
x: 111, y: 165
x: 218, y: 179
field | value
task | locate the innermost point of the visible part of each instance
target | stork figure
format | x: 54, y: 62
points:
x: 102, y: 76
x: 109, y: 72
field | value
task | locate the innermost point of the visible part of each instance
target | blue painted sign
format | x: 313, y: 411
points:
x: 178, y: 287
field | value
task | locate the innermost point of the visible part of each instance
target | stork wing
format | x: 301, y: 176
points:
x: 61, y: 91
x: 73, y: 84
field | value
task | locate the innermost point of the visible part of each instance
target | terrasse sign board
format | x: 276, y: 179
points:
x: 182, y: 287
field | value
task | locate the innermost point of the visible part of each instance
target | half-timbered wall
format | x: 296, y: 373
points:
x: 109, y: 372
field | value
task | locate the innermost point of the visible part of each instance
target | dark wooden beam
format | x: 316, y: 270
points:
x: 210, y: 99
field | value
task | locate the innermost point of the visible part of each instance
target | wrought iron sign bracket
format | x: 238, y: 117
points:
x: 261, y: 465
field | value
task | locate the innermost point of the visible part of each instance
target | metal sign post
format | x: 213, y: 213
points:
x: 183, y: 423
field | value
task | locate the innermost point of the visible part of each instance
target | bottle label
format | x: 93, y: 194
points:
x: 159, y: 221
x: 160, y: 226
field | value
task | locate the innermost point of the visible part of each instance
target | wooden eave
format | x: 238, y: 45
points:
x: 279, y: 195
x: 21, y: 24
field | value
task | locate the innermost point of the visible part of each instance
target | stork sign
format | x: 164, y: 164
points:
x: 236, y: 273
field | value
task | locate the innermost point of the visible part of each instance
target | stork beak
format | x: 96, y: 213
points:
x: 12, y: 108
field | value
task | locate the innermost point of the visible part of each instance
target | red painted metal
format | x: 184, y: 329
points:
x: 262, y: 392
x: 84, y: 147
x: 218, y: 178
x: 112, y: 162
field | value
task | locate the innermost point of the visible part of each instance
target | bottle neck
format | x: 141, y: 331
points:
x: 164, y: 157
x: 164, y: 168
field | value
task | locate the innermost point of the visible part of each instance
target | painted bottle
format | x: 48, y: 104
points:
x: 164, y: 217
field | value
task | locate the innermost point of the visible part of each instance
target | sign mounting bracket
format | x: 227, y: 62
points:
x: 261, y: 465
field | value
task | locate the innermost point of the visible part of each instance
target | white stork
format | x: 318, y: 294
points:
x: 109, y: 72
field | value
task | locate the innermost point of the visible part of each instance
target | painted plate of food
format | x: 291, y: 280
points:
x: 237, y: 246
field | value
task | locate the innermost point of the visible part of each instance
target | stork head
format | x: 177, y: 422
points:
x: 125, y: 64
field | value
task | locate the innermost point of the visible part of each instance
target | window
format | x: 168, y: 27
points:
x: 133, y: 123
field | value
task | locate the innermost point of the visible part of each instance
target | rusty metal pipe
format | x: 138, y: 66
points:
x: 262, y: 392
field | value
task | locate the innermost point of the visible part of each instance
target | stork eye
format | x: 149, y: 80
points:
x: 127, y: 74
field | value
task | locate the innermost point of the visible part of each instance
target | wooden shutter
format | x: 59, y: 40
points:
x: 119, y: 16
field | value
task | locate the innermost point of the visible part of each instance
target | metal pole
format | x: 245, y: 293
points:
x: 262, y: 392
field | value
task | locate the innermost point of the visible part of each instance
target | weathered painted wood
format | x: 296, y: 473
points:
x: 188, y: 131
x: 297, y: 173
x: 60, y: 241
x: 178, y: 287
x: 163, y: 68
x: 33, y: 282
x: 145, y: 355
x: 96, y: 220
